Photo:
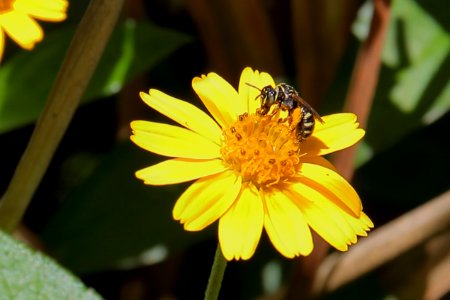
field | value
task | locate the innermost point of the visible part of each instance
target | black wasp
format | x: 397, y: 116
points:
x: 288, y: 99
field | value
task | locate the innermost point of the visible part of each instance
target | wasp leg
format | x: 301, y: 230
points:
x: 294, y: 118
x: 262, y: 111
x: 275, y: 111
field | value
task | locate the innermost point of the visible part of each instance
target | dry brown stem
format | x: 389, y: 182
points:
x: 384, y: 244
x: 364, y: 80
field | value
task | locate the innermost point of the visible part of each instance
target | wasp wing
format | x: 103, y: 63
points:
x: 309, y: 107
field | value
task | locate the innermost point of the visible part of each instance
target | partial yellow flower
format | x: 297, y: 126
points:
x: 251, y: 171
x: 17, y: 20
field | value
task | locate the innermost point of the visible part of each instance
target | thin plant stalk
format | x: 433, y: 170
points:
x: 216, y: 276
x: 74, y: 75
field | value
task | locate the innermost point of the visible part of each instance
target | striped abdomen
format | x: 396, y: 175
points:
x: 306, y: 125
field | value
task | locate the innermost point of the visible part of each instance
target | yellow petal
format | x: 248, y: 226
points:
x: 241, y: 226
x: 21, y: 28
x: 338, y: 132
x: 2, y: 43
x: 367, y: 221
x: 360, y: 225
x: 247, y: 93
x: 179, y: 170
x: 46, y: 10
x: 172, y: 141
x: 333, y: 186
x: 319, y: 160
x: 286, y: 226
x: 184, y: 113
x: 206, y: 200
x: 333, y: 224
x: 219, y: 97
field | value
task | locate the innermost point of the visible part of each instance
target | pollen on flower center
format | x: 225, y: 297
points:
x: 261, y: 148
x: 5, y: 5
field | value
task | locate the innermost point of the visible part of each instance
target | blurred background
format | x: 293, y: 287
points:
x: 96, y: 219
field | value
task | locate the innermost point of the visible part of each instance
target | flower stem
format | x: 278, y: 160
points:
x: 216, y: 276
x: 74, y: 75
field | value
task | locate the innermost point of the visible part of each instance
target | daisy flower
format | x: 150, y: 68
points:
x: 251, y: 171
x: 17, y: 20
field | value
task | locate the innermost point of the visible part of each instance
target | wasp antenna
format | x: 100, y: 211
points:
x: 253, y: 86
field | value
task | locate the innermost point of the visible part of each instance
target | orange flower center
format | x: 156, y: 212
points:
x: 262, y: 149
x: 5, y: 5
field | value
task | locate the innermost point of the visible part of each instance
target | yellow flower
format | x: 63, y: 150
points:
x: 251, y: 171
x: 17, y: 20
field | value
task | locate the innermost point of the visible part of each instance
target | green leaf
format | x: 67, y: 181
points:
x: 426, y: 44
x: 113, y: 220
x: 414, y: 86
x: 27, y: 274
x: 25, y: 80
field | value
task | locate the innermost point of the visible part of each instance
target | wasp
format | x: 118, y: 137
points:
x: 286, y: 98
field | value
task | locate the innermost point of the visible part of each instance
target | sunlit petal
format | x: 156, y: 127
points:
x: 206, y: 200
x: 2, y: 43
x: 338, y: 131
x: 219, y: 97
x: 332, y: 185
x: 183, y: 113
x: 21, y: 28
x: 333, y: 224
x: 319, y: 160
x: 366, y: 220
x: 248, y: 93
x: 321, y: 223
x: 360, y: 225
x: 286, y: 226
x: 179, y: 170
x: 241, y: 226
x: 45, y: 10
x: 172, y: 141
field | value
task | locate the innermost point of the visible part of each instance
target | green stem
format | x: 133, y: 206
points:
x: 216, y: 276
x: 74, y: 75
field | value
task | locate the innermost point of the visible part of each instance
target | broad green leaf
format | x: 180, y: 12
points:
x: 113, y: 220
x: 414, y: 82
x: 426, y: 45
x: 26, y: 274
x: 26, y: 79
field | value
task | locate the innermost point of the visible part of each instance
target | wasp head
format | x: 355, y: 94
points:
x: 268, y: 95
